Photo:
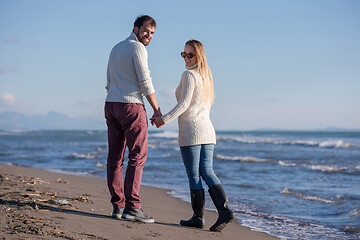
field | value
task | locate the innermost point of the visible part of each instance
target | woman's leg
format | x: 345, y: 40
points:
x: 206, y: 165
x: 216, y: 191
x: 220, y: 200
x: 191, y: 158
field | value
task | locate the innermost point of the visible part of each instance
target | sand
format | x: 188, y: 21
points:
x: 37, y: 204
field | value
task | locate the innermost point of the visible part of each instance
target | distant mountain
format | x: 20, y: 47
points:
x: 339, y: 129
x: 52, y: 120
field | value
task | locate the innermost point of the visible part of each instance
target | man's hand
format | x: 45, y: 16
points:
x: 154, y: 104
x: 157, y: 114
x: 157, y: 121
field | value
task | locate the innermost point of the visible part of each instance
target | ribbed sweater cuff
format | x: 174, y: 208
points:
x: 166, y: 118
x: 147, y: 89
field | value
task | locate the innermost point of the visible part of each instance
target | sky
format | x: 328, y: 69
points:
x: 283, y: 64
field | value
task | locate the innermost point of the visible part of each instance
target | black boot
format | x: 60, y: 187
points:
x: 220, y: 200
x: 197, y: 204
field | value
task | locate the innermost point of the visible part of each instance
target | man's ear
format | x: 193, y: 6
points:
x: 136, y: 30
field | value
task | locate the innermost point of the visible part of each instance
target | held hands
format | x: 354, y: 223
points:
x: 156, y: 119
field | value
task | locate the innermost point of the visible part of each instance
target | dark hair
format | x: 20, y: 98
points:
x: 140, y: 20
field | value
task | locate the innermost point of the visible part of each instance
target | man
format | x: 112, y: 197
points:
x: 128, y: 80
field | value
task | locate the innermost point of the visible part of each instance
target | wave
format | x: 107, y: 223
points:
x: 323, y: 144
x: 100, y: 153
x: 15, y: 131
x: 100, y: 165
x: 327, y: 168
x: 355, y: 212
x: 275, y: 225
x: 305, y: 196
x: 324, y: 168
x: 307, y: 143
x: 241, y: 159
x: 165, y: 134
x: 287, y: 164
x: 163, y: 147
x: 83, y: 156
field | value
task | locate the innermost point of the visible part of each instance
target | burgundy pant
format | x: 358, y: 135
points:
x: 127, y: 126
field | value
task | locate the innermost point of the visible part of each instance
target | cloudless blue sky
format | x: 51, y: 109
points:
x: 276, y: 64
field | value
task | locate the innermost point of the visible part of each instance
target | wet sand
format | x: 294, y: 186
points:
x: 37, y: 204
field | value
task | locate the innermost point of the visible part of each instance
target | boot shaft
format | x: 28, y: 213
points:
x: 220, y: 200
x: 198, y: 202
x: 219, y: 197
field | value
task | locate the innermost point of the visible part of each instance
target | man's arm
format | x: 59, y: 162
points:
x: 154, y: 104
x: 140, y: 59
x: 144, y: 79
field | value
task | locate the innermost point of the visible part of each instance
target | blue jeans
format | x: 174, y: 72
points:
x: 198, y: 161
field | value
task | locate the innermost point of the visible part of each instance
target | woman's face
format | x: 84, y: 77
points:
x: 189, y: 51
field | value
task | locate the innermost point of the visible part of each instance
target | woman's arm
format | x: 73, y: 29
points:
x: 187, y: 91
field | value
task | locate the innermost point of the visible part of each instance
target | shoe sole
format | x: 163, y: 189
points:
x: 116, y: 216
x: 182, y: 223
x: 222, y: 226
x: 137, y: 219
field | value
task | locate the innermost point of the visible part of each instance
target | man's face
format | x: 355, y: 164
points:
x: 145, y: 33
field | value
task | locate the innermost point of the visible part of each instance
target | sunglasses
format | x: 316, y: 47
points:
x: 189, y: 55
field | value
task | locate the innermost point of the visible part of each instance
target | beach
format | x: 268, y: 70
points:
x: 38, y: 204
x: 293, y: 185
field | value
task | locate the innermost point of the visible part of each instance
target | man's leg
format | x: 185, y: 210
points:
x: 136, y: 132
x: 115, y: 160
x: 137, y: 140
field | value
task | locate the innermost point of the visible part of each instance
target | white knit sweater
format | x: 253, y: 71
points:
x: 128, y: 75
x: 193, y: 112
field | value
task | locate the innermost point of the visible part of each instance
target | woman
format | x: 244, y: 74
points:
x: 195, y: 95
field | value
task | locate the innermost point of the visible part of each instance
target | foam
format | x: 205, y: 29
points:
x: 240, y: 158
x: 305, y: 196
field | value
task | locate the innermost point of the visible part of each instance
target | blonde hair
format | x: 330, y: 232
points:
x: 204, y: 70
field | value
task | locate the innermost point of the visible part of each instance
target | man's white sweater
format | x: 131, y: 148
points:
x: 193, y: 112
x: 128, y: 75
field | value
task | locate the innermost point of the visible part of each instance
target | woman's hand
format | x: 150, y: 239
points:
x: 157, y: 121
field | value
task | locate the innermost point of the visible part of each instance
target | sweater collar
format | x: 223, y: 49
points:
x: 192, y: 67
x: 133, y: 36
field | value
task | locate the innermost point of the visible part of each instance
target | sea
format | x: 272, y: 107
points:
x: 290, y: 184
